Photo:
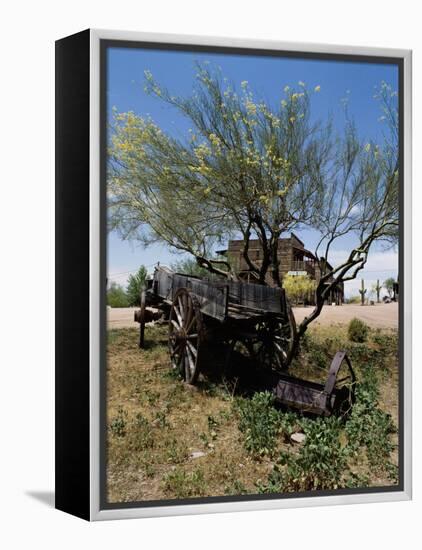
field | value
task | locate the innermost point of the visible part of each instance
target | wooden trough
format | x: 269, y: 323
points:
x: 337, y: 395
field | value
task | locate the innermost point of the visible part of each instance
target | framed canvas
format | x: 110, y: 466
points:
x: 233, y: 274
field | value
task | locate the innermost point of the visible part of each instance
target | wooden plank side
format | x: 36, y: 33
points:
x: 164, y: 283
x: 213, y: 299
x: 261, y: 297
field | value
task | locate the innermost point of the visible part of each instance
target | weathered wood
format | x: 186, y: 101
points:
x: 334, y: 396
x: 216, y: 297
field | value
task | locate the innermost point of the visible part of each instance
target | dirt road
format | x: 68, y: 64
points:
x: 379, y: 315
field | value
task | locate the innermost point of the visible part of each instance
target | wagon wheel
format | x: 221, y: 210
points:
x: 274, y: 341
x: 345, y: 387
x: 185, y: 334
x: 142, y: 320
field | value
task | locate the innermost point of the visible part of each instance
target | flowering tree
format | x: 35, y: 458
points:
x: 245, y: 168
x: 298, y: 287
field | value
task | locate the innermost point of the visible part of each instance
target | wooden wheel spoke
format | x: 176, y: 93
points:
x: 179, y: 317
x: 176, y: 349
x: 190, y: 313
x: 190, y: 360
x: 185, y: 333
x: 181, y: 309
x: 190, y: 322
x: 175, y: 324
x: 192, y: 348
x: 278, y: 360
x: 273, y: 343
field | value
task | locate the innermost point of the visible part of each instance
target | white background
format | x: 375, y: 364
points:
x: 27, y: 272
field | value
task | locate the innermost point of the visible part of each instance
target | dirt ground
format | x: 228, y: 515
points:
x: 378, y: 316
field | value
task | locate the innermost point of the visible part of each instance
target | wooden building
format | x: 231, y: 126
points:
x: 294, y: 259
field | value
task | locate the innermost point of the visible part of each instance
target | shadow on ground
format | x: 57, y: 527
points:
x: 45, y: 497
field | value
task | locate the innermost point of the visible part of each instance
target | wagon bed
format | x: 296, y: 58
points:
x: 220, y: 300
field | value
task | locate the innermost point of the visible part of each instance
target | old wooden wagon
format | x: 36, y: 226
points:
x: 203, y: 314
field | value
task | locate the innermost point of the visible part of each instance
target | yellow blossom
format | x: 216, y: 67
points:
x: 317, y: 88
x: 286, y: 88
x: 250, y: 108
x: 215, y: 140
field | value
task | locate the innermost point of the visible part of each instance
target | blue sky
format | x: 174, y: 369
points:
x: 267, y: 77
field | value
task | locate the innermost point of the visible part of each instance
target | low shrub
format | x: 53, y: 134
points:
x: 387, y: 343
x: 320, y: 463
x: 118, y: 423
x: 368, y: 426
x: 180, y: 484
x: 357, y: 331
x: 141, y: 434
x: 259, y: 421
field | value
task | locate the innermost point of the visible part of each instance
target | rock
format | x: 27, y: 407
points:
x: 298, y: 437
x: 197, y: 454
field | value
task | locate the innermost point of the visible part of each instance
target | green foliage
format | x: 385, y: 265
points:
x: 319, y: 464
x: 389, y: 285
x: 298, y: 287
x: 136, y: 283
x: 190, y: 266
x: 141, y: 434
x: 116, y: 296
x: 181, y: 484
x: 118, y: 423
x: 354, y: 300
x: 317, y: 352
x: 235, y: 488
x: 387, y: 343
x: 357, y: 330
x: 355, y: 481
x: 368, y: 426
x: 259, y: 421
x: 177, y: 451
